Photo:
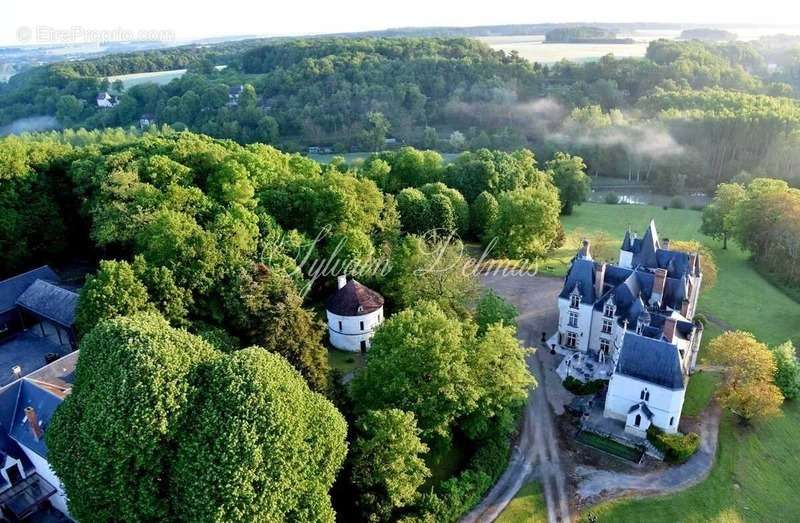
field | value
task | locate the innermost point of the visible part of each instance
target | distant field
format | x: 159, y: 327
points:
x: 534, y: 49
x: 754, y: 478
x: 156, y: 77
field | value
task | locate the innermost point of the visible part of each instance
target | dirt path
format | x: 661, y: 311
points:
x: 597, y: 485
x: 537, y: 453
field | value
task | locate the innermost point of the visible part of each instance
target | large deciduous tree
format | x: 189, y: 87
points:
x: 112, y: 440
x: 748, y: 389
x: 265, y: 309
x: 719, y: 217
x: 387, y: 464
x: 527, y: 222
x: 258, y: 446
x: 569, y: 177
x: 435, y: 270
x: 113, y: 291
x: 417, y: 363
x: 787, y: 370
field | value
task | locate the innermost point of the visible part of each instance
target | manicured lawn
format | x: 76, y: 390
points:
x: 608, y: 445
x: 343, y: 360
x: 528, y: 506
x: 755, y: 476
x: 754, y: 479
x: 699, y: 392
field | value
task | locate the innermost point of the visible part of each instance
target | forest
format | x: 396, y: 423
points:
x: 683, y: 116
x: 202, y: 300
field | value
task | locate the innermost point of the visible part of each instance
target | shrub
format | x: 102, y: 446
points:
x: 612, y: 198
x: 580, y: 388
x: 677, y: 448
x: 677, y: 202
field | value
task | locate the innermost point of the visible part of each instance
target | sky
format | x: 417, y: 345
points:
x: 78, y: 21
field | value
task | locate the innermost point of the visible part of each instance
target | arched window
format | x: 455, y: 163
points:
x: 672, y: 421
x: 644, y: 395
x: 638, y: 420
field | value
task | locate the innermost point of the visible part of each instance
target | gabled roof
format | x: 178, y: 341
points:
x: 50, y: 301
x: 13, y: 287
x: 581, y: 273
x: 651, y: 360
x: 354, y: 299
x: 643, y: 407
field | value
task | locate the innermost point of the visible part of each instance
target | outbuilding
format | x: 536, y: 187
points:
x: 354, y: 312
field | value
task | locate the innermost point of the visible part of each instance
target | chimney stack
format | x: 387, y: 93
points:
x: 341, y: 281
x: 665, y: 244
x: 599, y: 279
x: 585, y: 251
x: 16, y: 370
x: 659, y: 282
x: 33, y: 421
x: 670, y: 324
x: 693, y: 269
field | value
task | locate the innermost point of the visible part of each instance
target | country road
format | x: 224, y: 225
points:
x: 536, y: 453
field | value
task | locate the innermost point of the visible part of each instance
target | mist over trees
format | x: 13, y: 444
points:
x: 684, y: 115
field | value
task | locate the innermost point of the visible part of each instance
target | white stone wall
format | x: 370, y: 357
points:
x: 625, y: 392
x: 346, y: 332
x: 584, y: 327
x: 625, y: 259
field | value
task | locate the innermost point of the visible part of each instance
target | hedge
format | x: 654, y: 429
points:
x: 677, y: 448
x: 580, y: 388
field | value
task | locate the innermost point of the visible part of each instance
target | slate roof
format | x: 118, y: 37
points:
x: 13, y: 287
x: 652, y: 360
x: 50, y: 301
x: 581, y: 273
x: 644, y: 408
x: 646, y: 254
x: 45, y: 404
x: 354, y: 299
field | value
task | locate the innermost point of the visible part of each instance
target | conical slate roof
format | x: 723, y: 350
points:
x: 354, y: 299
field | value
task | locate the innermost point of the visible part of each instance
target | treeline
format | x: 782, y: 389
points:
x: 764, y: 218
x: 679, y: 117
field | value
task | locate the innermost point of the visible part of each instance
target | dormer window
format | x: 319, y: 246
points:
x: 609, y: 310
x: 360, y: 308
x: 575, y: 300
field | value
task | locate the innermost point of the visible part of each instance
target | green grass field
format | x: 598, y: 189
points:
x: 528, y: 506
x: 755, y: 475
x: 699, y: 392
x: 343, y: 360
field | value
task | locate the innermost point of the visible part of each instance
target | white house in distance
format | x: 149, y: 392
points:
x: 354, y: 312
x: 106, y: 100
x: 632, y: 323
